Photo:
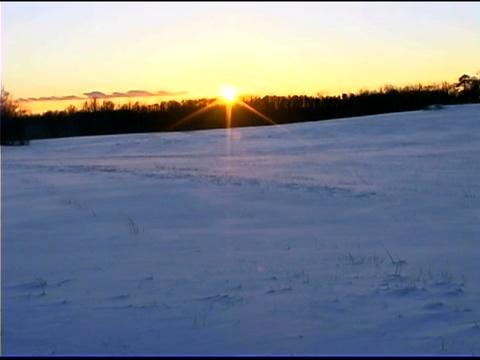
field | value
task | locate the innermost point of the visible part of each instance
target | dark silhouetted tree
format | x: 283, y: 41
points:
x: 107, y: 105
x: 91, y: 105
x: 11, y: 118
x: 469, y: 88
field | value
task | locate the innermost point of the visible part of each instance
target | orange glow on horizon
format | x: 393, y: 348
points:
x: 40, y: 107
x: 226, y: 95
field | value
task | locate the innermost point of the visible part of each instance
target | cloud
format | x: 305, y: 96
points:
x: 50, y: 98
x: 96, y: 95
x: 167, y: 93
x: 131, y: 94
x: 102, y: 95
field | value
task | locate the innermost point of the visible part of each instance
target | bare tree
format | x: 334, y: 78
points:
x: 91, y: 105
x: 8, y: 106
x: 470, y: 87
x: 107, y: 105
x: 12, y: 126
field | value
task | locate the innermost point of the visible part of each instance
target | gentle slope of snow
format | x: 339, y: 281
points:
x: 356, y: 236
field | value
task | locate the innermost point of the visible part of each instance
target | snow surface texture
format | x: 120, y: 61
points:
x: 357, y: 236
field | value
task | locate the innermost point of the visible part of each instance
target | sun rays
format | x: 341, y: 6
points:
x: 229, y: 98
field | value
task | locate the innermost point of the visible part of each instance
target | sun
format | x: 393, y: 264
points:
x: 229, y: 94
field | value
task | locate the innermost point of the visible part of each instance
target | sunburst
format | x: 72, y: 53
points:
x: 228, y: 97
x: 228, y: 94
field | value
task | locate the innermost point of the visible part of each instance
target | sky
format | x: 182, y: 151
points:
x: 355, y: 236
x: 177, y: 50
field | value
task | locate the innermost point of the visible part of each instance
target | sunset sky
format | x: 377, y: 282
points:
x: 178, y: 50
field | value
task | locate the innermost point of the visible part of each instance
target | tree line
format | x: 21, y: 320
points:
x: 97, y: 117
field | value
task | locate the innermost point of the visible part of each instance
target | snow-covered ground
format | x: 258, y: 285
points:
x: 356, y: 236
